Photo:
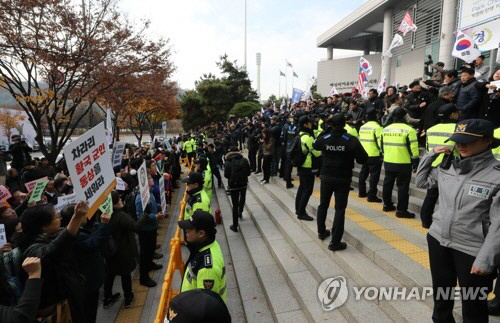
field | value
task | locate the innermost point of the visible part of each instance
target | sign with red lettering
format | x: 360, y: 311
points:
x: 4, y: 194
x: 31, y: 185
x: 90, y: 167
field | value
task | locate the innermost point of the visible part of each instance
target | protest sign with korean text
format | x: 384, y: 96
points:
x: 4, y: 194
x: 120, y: 184
x: 142, y: 176
x: 36, y: 194
x: 65, y: 200
x: 163, y: 199
x: 118, y: 150
x: 107, y: 205
x: 31, y: 185
x: 90, y: 167
x: 3, y: 235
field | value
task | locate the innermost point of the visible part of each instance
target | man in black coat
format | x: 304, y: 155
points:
x: 430, y: 117
x: 416, y: 102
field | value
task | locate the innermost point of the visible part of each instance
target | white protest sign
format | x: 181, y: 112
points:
x: 3, y: 235
x: 118, y: 149
x: 164, y: 128
x: 65, y: 200
x: 142, y: 176
x: 163, y: 199
x: 486, y: 36
x: 120, y: 184
x: 90, y: 168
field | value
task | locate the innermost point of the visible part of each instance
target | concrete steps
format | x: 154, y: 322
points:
x: 360, y: 269
x: 266, y: 296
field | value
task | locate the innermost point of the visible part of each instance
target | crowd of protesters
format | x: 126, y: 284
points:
x: 55, y: 263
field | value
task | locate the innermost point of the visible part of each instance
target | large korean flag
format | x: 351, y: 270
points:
x: 90, y: 168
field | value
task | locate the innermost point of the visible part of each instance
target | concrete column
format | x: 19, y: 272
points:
x: 493, y: 58
x: 386, y: 43
x: 448, y: 24
x: 329, y: 53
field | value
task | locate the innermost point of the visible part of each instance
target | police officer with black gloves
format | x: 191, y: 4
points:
x: 290, y: 130
x: 339, y: 151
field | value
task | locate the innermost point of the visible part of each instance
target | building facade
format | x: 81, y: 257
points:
x: 371, y: 28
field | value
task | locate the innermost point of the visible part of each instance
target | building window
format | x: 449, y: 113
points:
x: 398, y: 61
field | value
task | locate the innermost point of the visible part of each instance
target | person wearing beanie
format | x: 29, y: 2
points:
x: 369, y: 136
x: 308, y: 170
x: 436, y: 136
x: 338, y: 150
x: 400, y: 149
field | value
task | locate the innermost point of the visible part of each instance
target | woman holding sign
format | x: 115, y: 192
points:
x: 42, y: 237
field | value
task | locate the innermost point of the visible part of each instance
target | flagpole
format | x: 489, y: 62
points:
x: 286, y: 79
x: 293, y: 76
x: 279, y: 87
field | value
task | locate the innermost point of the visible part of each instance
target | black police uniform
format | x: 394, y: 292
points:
x: 339, y: 150
x: 289, y: 132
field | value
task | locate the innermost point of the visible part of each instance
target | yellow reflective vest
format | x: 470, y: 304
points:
x: 207, y: 182
x: 437, y: 135
x: 206, y: 270
x: 188, y: 146
x: 306, y: 141
x: 198, y: 201
x: 369, y: 136
x: 496, y: 151
x: 351, y: 130
x: 399, y: 143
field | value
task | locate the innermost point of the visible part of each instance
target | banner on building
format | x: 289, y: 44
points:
x: 476, y: 12
x: 486, y: 36
x: 90, y: 167
x: 465, y: 48
x: 142, y: 176
x: 407, y: 24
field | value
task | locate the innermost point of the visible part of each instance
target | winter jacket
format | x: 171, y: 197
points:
x: 88, y: 247
x: 468, y: 100
x: 490, y: 104
x: 123, y: 230
x: 268, y: 148
x: 467, y: 217
x: 27, y: 306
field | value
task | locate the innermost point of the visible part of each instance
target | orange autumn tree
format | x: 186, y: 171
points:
x: 59, y: 56
x: 8, y: 121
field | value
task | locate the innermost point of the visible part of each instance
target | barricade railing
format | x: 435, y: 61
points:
x: 175, y: 263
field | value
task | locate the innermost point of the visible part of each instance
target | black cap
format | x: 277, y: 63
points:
x: 414, y: 83
x: 200, y: 220
x: 337, y: 120
x: 446, y: 110
x: 198, y: 306
x: 469, y: 130
x: 193, y: 177
x: 304, y: 119
x: 399, y: 113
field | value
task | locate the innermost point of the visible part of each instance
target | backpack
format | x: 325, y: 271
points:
x: 129, y: 205
x: 238, y: 178
x: 294, y: 152
x: 386, y: 120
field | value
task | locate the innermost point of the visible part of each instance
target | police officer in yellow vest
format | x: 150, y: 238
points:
x: 400, y: 149
x: 496, y: 151
x: 351, y: 130
x: 436, y: 136
x: 308, y: 170
x: 188, y: 147
x: 198, y: 199
x: 205, y: 266
x: 369, y: 136
x: 202, y: 167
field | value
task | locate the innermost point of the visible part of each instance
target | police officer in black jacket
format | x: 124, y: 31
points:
x: 290, y: 130
x: 339, y: 150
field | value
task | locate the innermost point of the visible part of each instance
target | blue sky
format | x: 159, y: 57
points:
x: 201, y: 30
